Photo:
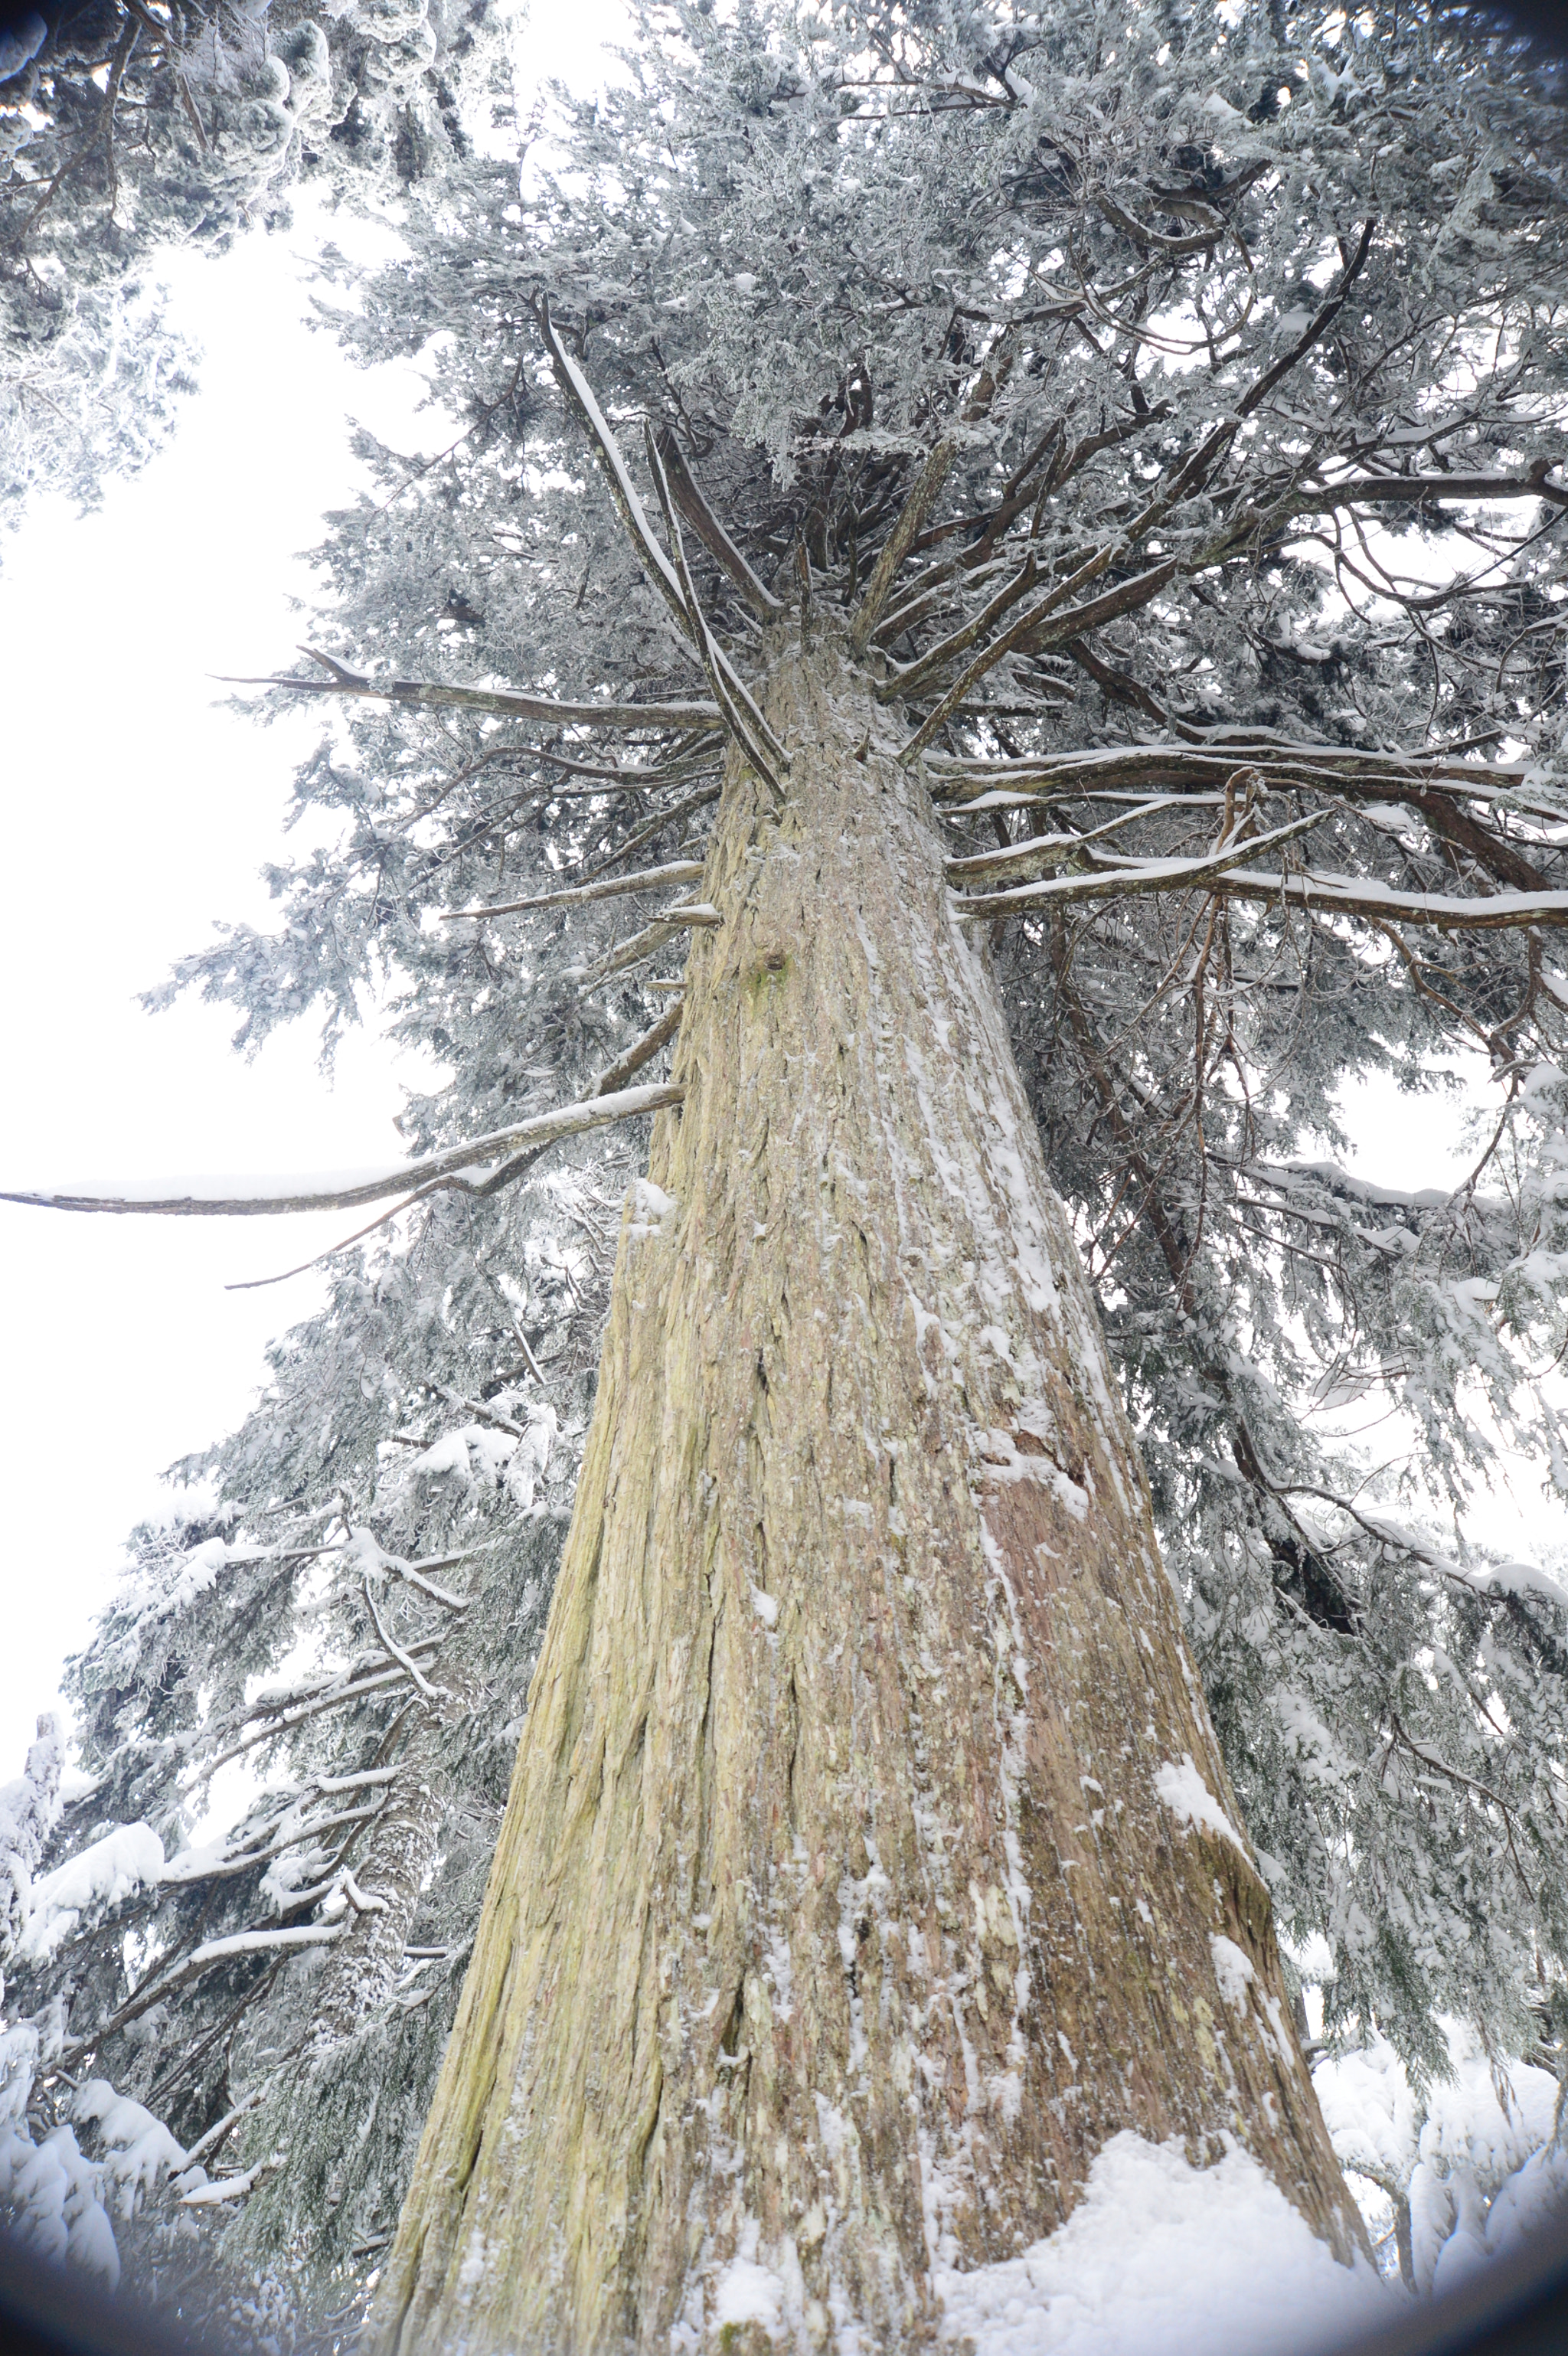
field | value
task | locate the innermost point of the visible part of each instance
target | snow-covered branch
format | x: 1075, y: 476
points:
x: 670, y: 575
x: 473, y: 1163
x: 1282, y: 764
x: 1112, y: 877
x: 741, y: 717
x: 405, y: 1661
x: 502, y: 702
x: 268, y: 1719
x: 1419, y: 491
x: 580, y: 399
x: 235, y: 1948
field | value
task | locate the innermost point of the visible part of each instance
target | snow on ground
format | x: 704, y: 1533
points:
x: 1162, y: 2259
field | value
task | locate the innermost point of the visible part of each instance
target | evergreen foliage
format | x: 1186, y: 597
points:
x: 1187, y: 382
x: 128, y: 129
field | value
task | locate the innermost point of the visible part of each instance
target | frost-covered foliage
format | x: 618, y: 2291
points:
x: 29, y: 1808
x: 1169, y: 397
x: 126, y: 128
x: 1464, y: 2171
x: 333, y: 1632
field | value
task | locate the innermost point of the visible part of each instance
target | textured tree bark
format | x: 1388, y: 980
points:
x: 869, y: 1859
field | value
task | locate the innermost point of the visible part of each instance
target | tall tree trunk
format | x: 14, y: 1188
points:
x: 867, y: 1863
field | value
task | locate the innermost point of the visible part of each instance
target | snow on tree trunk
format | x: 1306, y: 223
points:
x: 870, y: 1857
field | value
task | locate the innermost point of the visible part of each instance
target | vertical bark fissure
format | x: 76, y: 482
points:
x: 917, y: 1886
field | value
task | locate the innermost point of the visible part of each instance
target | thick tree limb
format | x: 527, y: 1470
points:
x: 670, y: 576
x: 899, y: 540
x: 579, y: 398
x: 1351, y: 895
x: 1404, y: 491
x: 912, y: 676
x: 1043, y: 853
x: 1438, y: 786
x: 688, y: 498
x: 1327, y: 764
x: 741, y: 717
x: 644, y: 944
x: 609, y: 1083
x: 1347, y: 896
x: 642, y: 1051
x: 635, y: 779
x: 230, y: 1198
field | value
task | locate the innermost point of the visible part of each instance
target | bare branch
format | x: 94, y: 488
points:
x: 427, y: 695
x: 1413, y: 777
x: 644, y: 944
x: 1351, y: 895
x: 1346, y: 896
x: 1043, y: 853
x: 609, y: 1083
x: 474, y: 1161
x: 642, y: 1051
x: 415, y: 1575
x: 1029, y: 626
x: 652, y: 879
x: 653, y: 827
x: 741, y: 717
x: 672, y: 579
x: 1046, y: 624
x: 579, y: 398
x: 1402, y: 490
x: 913, y: 676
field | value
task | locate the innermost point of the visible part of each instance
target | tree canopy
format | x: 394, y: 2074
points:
x: 128, y: 130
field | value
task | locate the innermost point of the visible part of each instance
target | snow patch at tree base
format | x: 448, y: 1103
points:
x: 1161, y: 2256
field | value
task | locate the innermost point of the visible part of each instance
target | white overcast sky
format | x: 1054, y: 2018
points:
x: 139, y: 813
